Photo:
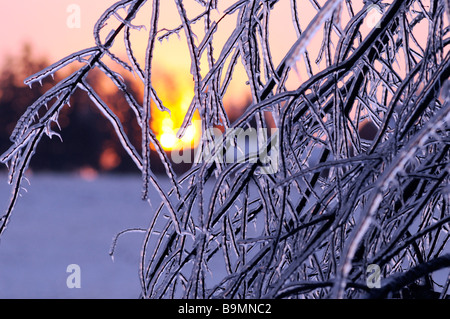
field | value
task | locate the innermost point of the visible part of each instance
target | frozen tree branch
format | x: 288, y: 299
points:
x: 361, y: 147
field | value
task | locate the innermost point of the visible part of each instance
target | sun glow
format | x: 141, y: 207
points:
x: 177, y: 99
x: 167, y: 135
x: 169, y: 140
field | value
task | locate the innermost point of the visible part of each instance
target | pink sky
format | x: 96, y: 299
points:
x: 44, y: 24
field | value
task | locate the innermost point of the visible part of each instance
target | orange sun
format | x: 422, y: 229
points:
x: 177, y: 98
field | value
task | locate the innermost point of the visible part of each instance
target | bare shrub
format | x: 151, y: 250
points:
x: 359, y: 164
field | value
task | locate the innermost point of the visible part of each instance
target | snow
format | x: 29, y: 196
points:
x: 64, y: 220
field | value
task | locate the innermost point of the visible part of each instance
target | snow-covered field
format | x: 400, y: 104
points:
x: 63, y: 220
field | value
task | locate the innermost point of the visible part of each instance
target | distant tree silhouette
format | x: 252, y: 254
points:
x: 85, y: 132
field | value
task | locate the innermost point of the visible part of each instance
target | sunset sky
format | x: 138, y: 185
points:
x: 50, y: 28
x: 44, y: 25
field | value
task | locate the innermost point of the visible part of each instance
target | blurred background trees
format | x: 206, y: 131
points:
x: 89, y: 141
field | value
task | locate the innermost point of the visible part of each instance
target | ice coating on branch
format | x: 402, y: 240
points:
x: 146, y: 111
x: 116, y: 79
x: 300, y: 46
x: 32, y: 112
x: 50, y: 70
x: 114, y: 120
x: 337, y: 202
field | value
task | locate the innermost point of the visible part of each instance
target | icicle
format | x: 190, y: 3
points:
x: 26, y: 179
x: 54, y: 119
